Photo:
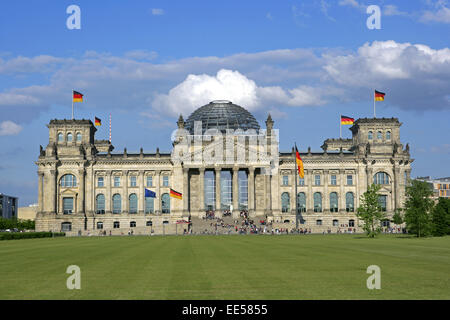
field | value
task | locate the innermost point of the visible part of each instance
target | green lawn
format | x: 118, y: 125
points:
x: 226, y: 267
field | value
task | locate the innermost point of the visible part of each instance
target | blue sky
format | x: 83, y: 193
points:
x: 145, y: 62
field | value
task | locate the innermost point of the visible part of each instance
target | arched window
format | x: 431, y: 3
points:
x: 100, y: 203
x: 335, y: 223
x: 78, y: 137
x: 388, y: 135
x: 116, y: 224
x: 285, y: 202
x: 317, y: 202
x: 132, y: 224
x: 165, y: 203
x: 133, y: 203
x: 349, y: 202
x: 117, y: 203
x: 301, y: 202
x: 68, y: 181
x: 381, y: 178
x: 379, y: 135
x: 370, y: 136
x: 66, y: 226
x: 60, y: 137
x: 69, y: 137
x: 149, y: 205
x: 334, y: 202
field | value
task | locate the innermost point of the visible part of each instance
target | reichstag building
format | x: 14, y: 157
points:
x: 222, y: 161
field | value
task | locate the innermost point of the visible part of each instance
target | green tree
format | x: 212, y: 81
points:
x: 370, y: 211
x: 397, y: 217
x: 441, y: 217
x: 418, y: 208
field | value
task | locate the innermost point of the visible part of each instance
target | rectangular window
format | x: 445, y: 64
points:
x: 301, y: 181
x: 285, y: 180
x: 68, y: 205
x: 317, y: 179
x: 116, y: 181
x: 149, y: 181
x: 382, y: 201
x: 165, y: 181
x: 133, y: 181
x: 99, y: 225
x: 351, y: 223
x: 100, y: 182
x: 116, y: 224
x: 349, y: 180
x: 319, y: 222
x: 333, y: 179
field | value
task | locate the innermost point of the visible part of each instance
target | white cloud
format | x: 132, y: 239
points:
x: 392, y: 10
x: 157, y: 12
x: 351, y: 3
x: 441, y: 15
x: 9, y: 128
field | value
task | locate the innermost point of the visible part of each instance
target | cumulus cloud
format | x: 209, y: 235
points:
x: 9, y: 128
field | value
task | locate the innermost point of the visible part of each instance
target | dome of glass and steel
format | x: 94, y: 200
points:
x: 222, y: 115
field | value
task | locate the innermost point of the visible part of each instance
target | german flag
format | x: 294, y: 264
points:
x: 347, y: 120
x: 98, y: 122
x: 176, y: 194
x: 77, y: 97
x: 298, y: 159
x: 379, y: 96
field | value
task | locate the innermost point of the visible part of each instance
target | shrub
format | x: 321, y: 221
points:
x: 29, y: 235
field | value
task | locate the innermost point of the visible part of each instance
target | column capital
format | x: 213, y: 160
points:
x: 81, y: 171
x: 141, y: 172
x: 125, y: 172
x: 157, y: 172
x: 202, y: 170
x: 251, y: 170
x: 40, y: 173
x: 185, y: 170
x: 235, y: 168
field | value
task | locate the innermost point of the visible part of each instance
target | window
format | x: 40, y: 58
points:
x: 319, y: 222
x: 385, y: 223
x: 351, y: 223
x: 99, y: 225
x: 78, y: 137
x: 370, y: 135
x: 149, y: 205
x: 333, y: 180
x: 317, y: 202
x: 66, y: 226
x: 285, y: 202
x: 382, y: 201
x: 116, y: 224
x: 149, y: 181
x: 349, y: 202
x: 116, y: 181
x: 68, y: 181
x: 149, y: 223
x: 117, y: 203
x: 335, y: 223
x: 388, y: 135
x: 301, y: 181
x: 133, y: 203
x: 132, y: 224
x: 165, y: 181
x: 100, y: 203
x: 301, y: 202
x: 285, y: 180
x: 69, y: 137
x: 67, y: 205
x: 349, y: 180
x: 381, y: 178
x: 317, y: 179
x: 334, y: 202
x: 165, y: 203
x: 60, y: 137
x: 100, y: 182
x: 133, y: 181
x: 379, y: 135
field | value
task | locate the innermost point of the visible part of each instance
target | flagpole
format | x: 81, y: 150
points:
x: 295, y: 177
x: 340, y: 128
x: 72, y: 104
x: 110, y: 128
x: 374, y: 110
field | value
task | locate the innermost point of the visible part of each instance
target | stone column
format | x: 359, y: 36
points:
x: 235, y: 189
x: 53, y: 191
x: 396, y: 188
x: 186, y: 194
x: 217, y: 177
x: 326, y: 195
x: 108, y: 196
x: 40, y: 191
x: 141, y: 198
x: 80, y: 204
x: 125, y: 191
x: 341, y: 198
x: 157, y: 201
x: 310, y: 196
x: 369, y: 173
x: 202, y: 191
x: 251, y: 190
x: 268, y: 194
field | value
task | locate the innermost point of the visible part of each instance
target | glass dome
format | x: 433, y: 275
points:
x: 222, y: 115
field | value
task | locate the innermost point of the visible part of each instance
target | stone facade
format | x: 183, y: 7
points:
x: 83, y: 186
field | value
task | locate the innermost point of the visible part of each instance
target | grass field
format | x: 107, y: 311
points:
x: 226, y: 267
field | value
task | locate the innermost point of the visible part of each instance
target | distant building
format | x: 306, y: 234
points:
x: 27, y: 213
x: 441, y: 186
x: 8, y: 206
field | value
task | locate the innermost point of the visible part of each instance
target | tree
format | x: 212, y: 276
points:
x: 397, y: 217
x: 441, y: 218
x: 370, y: 211
x: 418, y: 207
